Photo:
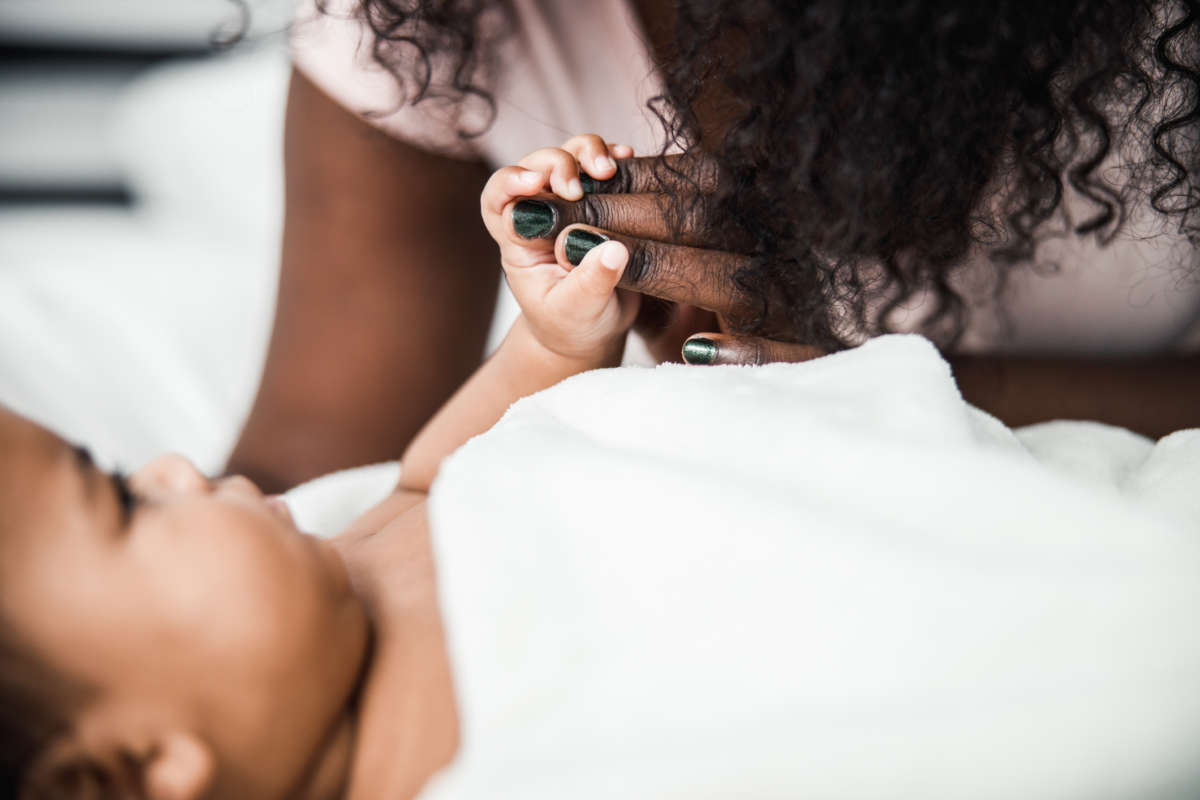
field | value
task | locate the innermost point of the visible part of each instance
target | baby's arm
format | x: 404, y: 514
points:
x: 572, y: 318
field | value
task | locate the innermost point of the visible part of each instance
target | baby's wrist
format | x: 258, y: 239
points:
x: 566, y: 360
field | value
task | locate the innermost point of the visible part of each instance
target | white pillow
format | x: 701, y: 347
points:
x: 144, y: 330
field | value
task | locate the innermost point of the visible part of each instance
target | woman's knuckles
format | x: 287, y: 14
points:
x: 647, y: 216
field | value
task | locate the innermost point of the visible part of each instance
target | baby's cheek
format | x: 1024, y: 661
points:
x: 249, y: 624
x: 219, y: 587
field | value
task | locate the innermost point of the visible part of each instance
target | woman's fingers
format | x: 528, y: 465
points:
x: 645, y: 216
x: 690, y: 173
x: 690, y: 275
x: 664, y: 326
x: 728, y: 348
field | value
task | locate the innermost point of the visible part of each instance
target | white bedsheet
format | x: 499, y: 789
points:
x: 828, y: 580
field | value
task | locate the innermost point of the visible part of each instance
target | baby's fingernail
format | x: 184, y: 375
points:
x: 533, y: 219
x: 530, y: 178
x: 574, y: 188
x: 613, y: 257
x: 603, y: 163
x: 578, y: 243
x: 699, y: 350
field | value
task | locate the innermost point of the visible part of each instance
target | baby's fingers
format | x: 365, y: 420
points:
x: 597, y: 273
x: 593, y: 155
x: 689, y: 275
x: 502, y: 188
x: 560, y: 167
x: 588, y: 294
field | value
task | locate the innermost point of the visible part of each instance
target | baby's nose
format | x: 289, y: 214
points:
x: 172, y: 473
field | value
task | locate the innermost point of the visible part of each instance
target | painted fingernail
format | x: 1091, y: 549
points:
x: 533, y: 219
x: 588, y: 184
x: 699, y: 350
x: 579, y: 242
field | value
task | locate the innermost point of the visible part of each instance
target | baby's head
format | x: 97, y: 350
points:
x: 180, y: 641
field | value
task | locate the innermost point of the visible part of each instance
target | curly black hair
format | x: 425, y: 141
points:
x: 438, y: 50
x: 32, y: 710
x: 897, y: 136
x: 875, y: 143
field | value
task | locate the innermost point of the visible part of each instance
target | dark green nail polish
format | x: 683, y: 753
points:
x: 588, y: 183
x: 699, y: 350
x: 533, y: 219
x: 579, y: 242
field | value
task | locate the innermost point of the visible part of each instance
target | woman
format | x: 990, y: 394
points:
x: 1016, y: 183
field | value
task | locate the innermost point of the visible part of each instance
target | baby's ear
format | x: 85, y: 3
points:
x: 176, y: 766
x: 180, y: 767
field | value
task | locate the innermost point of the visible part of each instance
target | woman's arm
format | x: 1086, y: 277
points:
x: 1152, y: 396
x: 386, y: 294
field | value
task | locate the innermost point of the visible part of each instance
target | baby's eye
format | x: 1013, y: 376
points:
x: 126, y: 499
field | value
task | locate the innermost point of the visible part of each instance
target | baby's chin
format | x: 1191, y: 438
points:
x: 331, y: 564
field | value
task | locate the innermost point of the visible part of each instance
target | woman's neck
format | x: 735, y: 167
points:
x: 407, y: 727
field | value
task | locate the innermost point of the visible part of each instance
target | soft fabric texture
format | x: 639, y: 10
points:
x: 828, y: 580
x: 324, y: 506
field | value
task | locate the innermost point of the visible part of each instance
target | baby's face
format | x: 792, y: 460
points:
x: 202, y: 606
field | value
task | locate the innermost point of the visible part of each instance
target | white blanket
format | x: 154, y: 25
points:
x: 828, y: 580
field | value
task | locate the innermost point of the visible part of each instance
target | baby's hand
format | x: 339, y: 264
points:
x: 567, y: 288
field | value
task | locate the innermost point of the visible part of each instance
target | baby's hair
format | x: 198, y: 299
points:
x: 31, y: 713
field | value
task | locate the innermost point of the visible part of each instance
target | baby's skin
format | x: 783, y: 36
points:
x: 193, y: 643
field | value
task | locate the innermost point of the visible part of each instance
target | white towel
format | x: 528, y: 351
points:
x: 828, y: 580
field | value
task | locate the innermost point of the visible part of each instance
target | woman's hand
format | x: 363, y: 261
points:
x: 687, y: 267
x: 692, y: 262
x: 566, y: 286
x: 725, y: 348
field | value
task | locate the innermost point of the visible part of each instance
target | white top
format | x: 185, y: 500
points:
x: 579, y: 67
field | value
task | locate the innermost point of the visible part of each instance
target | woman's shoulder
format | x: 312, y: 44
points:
x: 565, y: 67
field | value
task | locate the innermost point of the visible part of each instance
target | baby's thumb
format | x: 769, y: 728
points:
x: 600, y: 270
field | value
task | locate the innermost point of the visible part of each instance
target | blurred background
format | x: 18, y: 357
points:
x: 140, y: 206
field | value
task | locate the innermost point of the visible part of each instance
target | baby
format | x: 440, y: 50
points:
x: 171, y: 637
